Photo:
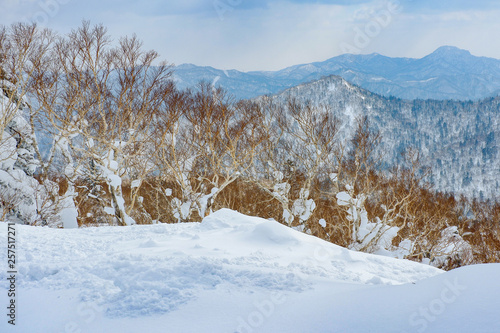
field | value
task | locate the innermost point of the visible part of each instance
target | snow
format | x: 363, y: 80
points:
x: 303, y: 208
x: 135, y: 183
x: 343, y: 199
x: 281, y: 190
x: 69, y: 213
x: 233, y: 273
x: 109, y: 210
x: 8, y: 154
x: 22, y: 189
x: 334, y: 177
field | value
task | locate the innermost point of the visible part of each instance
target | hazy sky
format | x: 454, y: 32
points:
x: 270, y: 35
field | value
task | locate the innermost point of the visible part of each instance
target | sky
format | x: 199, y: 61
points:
x: 270, y: 35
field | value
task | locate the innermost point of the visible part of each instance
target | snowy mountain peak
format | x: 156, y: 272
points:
x: 449, y: 52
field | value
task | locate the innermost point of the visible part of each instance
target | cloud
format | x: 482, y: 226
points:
x: 280, y: 35
x: 416, y: 35
x: 432, y: 6
x: 176, y: 7
x: 247, y: 4
x: 457, y: 16
x: 268, y: 35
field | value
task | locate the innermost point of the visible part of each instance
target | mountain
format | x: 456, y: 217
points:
x: 459, y: 140
x: 241, y: 85
x: 447, y: 73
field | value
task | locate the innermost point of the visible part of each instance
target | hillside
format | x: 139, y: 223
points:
x: 458, y: 139
x: 447, y: 73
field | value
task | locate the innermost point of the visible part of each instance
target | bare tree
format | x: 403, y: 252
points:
x: 22, y: 48
x: 359, y: 187
x: 363, y: 157
x: 101, y: 102
x: 302, y: 148
x: 209, y: 145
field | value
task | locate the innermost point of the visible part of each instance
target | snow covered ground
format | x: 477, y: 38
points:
x: 232, y: 273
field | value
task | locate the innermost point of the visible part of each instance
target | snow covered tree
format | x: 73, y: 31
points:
x: 101, y: 102
x: 302, y: 148
x: 22, y: 48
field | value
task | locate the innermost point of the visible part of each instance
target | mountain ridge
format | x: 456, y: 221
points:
x: 447, y: 73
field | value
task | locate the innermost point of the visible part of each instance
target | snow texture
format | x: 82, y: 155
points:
x: 234, y: 273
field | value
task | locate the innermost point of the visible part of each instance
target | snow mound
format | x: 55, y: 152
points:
x: 253, y: 229
x: 274, y: 232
